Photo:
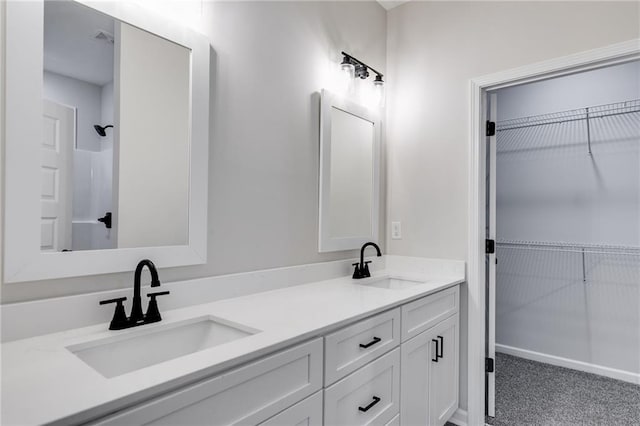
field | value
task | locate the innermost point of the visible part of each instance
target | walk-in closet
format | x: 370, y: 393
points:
x: 567, y: 281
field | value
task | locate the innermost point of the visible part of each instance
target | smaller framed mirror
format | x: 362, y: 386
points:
x: 349, y: 174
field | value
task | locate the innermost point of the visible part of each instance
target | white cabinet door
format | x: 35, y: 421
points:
x: 305, y: 413
x: 429, y: 378
x: 443, y: 392
x: 416, y: 371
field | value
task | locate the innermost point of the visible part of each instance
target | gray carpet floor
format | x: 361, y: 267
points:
x: 533, y: 393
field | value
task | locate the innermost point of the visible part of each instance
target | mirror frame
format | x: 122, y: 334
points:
x: 326, y: 243
x: 23, y: 63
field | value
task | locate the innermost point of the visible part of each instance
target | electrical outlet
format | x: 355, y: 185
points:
x: 396, y: 230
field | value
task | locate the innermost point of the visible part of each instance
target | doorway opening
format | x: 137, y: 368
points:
x: 563, y: 272
x: 478, y: 337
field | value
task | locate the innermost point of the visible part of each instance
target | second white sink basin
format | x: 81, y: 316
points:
x: 388, y: 283
x: 118, y: 355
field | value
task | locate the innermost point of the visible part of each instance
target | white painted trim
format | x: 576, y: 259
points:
x: 626, y: 376
x: 23, y: 260
x: 491, y: 290
x: 605, y: 56
x: 327, y: 243
x: 476, y: 265
x: 459, y: 417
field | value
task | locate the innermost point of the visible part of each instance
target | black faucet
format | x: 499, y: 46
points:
x: 362, y: 268
x: 120, y: 319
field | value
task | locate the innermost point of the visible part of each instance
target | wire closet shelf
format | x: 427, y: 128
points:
x: 557, y: 121
x: 598, y: 111
x: 570, y: 247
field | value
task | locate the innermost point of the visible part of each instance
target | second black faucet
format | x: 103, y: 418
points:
x: 362, y: 268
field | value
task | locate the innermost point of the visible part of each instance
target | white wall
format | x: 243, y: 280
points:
x: 434, y: 48
x: 2, y: 132
x: 555, y: 192
x: 269, y: 61
x: 607, y: 85
x: 549, y: 188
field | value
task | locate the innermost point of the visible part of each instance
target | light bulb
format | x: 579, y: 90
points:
x: 348, y: 75
x: 378, y: 89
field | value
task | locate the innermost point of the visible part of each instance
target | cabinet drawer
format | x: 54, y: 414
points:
x: 424, y: 313
x: 247, y: 395
x: 352, y: 347
x: 394, y: 421
x: 368, y: 396
x: 304, y: 413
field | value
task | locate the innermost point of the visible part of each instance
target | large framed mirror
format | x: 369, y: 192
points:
x: 349, y: 174
x: 106, y: 132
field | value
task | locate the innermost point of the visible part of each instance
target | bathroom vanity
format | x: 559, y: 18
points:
x: 299, y: 345
x: 380, y: 350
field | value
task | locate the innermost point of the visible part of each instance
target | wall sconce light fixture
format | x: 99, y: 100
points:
x: 352, y: 68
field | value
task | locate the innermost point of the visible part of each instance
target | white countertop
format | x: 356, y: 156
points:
x: 43, y: 382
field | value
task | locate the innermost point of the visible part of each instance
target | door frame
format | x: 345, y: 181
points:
x: 597, y: 58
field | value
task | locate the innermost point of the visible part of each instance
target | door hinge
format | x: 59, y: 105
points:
x: 488, y: 365
x: 491, y: 128
x: 489, y: 246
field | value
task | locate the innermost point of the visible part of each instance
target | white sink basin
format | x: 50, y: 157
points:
x: 390, y: 283
x: 118, y: 355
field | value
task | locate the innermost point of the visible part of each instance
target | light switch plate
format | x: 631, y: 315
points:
x: 396, y: 230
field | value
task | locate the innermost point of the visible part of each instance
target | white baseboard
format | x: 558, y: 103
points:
x: 613, y: 373
x: 459, y: 417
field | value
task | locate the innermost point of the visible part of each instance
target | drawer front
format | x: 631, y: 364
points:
x: 304, y: 413
x: 247, y: 395
x: 394, y: 421
x: 352, y: 347
x: 368, y: 396
x: 424, y: 313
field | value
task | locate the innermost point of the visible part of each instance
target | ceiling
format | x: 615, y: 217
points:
x: 70, y: 46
